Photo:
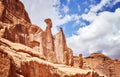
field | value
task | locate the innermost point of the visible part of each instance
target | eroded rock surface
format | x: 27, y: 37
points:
x: 14, y: 7
x: 63, y: 53
x: 28, y: 51
x: 78, y: 61
x: 15, y: 26
x: 20, y: 62
x: 102, y: 64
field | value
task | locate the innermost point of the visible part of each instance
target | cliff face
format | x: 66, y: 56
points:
x: 14, y: 7
x: 28, y: 51
x: 18, y: 60
x: 15, y: 26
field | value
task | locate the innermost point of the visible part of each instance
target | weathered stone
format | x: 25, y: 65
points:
x: 64, y: 55
x: 16, y: 8
x: 17, y: 60
x: 26, y: 50
x: 102, y: 64
x: 78, y: 61
x: 1, y: 9
x: 49, y: 42
x: 19, y: 30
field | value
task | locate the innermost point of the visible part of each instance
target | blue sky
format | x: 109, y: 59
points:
x: 89, y: 25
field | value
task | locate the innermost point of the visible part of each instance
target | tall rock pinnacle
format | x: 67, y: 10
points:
x: 63, y: 53
x: 49, y: 42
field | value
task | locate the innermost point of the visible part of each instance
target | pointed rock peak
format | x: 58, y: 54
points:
x: 61, y: 30
x: 48, y: 22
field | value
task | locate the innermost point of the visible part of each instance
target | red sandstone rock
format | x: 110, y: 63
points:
x: 18, y: 30
x: 1, y: 9
x: 64, y: 55
x: 78, y: 61
x: 102, y: 64
x: 49, y: 42
x: 15, y: 63
x: 17, y: 60
x: 16, y: 8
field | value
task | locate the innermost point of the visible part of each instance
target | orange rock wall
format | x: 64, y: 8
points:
x: 20, y: 30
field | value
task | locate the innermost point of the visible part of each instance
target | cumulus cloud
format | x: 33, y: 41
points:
x: 92, y: 14
x: 102, y: 34
x: 116, y: 1
x: 39, y: 10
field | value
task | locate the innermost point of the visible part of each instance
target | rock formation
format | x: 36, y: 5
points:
x: 78, y: 61
x: 28, y: 51
x: 102, y: 64
x: 63, y: 53
x: 18, y: 60
x: 14, y: 7
x: 20, y: 30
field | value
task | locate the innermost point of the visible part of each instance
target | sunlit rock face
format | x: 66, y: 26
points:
x: 78, y: 61
x: 63, y: 53
x: 28, y: 51
x: 18, y: 60
x: 15, y: 26
x: 102, y: 64
x: 14, y: 7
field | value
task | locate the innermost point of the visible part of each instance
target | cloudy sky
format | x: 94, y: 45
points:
x: 89, y: 25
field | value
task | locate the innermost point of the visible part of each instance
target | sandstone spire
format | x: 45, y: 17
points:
x: 49, y: 42
x: 48, y: 22
x: 63, y: 54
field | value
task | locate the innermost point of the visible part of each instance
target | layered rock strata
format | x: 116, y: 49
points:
x: 28, y: 51
x: 20, y: 30
x: 102, y: 64
x: 17, y: 60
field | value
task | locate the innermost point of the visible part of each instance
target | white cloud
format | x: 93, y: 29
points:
x: 112, y: 3
x: 116, y: 1
x: 92, y: 14
x: 99, y: 6
x: 102, y: 34
x: 65, y: 9
x: 89, y: 17
x: 39, y: 10
x: 86, y: 10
